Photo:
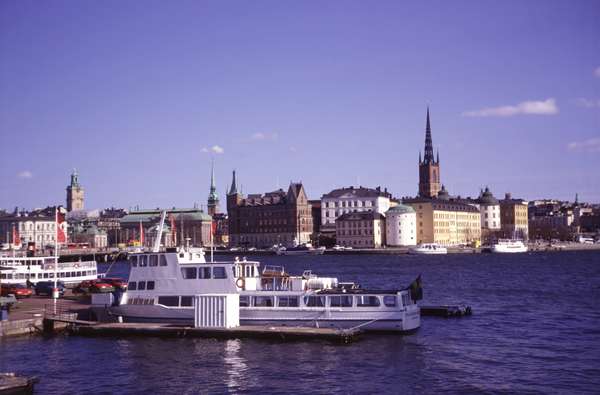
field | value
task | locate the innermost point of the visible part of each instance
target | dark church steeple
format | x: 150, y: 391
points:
x: 429, y: 167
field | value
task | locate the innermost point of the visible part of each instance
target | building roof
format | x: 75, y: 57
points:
x: 401, y: 209
x: 360, y: 216
x: 154, y: 215
x: 487, y: 198
x: 360, y: 192
x: 438, y: 204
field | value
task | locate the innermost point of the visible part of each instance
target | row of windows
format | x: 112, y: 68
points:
x: 350, y: 203
x: 318, y: 301
x: 341, y: 212
x: 39, y: 276
x: 148, y: 260
x: 356, y: 232
x: 204, y: 272
x: 140, y: 285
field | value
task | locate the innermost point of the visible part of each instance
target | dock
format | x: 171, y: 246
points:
x: 11, y: 383
x: 281, y: 333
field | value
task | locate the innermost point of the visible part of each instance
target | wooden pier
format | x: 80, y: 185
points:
x: 281, y: 333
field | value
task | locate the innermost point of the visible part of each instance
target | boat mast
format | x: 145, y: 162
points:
x: 159, y: 231
x: 55, y: 289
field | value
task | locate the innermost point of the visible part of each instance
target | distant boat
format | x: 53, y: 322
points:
x: 428, y: 248
x: 301, y: 249
x: 509, y: 246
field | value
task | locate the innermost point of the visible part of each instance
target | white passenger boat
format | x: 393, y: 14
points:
x: 509, y: 246
x: 17, y: 270
x: 428, y: 248
x: 162, y: 287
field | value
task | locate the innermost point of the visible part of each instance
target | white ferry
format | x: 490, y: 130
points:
x: 428, y: 248
x: 17, y: 270
x: 301, y: 249
x: 509, y: 246
x: 162, y: 286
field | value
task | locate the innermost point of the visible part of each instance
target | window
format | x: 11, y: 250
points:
x: 187, y: 301
x: 188, y: 272
x: 314, y: 301
x: 171, y: 301
x: 389, y: 300
x: 263, y: 301
x: 153, y: 260
x: 142, y: 260
x: 132, y: 286
x: 141, y: 286
x: 204, y: 272
x: 150, y: 285
x: 288, y: 301
x: 163, y: 260
x: 219, y: 272
x: 340, y: 301
x: 244, y: 301
x: 367, y: 301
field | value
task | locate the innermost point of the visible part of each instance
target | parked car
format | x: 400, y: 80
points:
x: 115, y: 282
x: 19, y: 290
x: 92, y: 286
x: 45, y: 288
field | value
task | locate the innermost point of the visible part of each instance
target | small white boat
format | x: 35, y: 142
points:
x: 509, y: 246
x: 428, y: 248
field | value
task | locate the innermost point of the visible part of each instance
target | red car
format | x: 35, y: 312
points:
x: 115, y: 282
x: 19, y: 290
x: 92, y: 286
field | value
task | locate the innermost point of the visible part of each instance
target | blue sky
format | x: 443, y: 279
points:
x: 140, y: 95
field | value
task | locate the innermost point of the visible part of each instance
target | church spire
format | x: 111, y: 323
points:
x: 233, y: 189
x: 428, y: 141
x: 213, y: 189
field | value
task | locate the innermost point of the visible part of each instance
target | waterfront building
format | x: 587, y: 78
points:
x: 181, y: 225
x: 364, y: 229
x: 489, y: 208
x: 221, y: 229
x: 401, y: 226
x: 89, y: 235
x: 276, y: 217
x: 213, y: 199
x: 37, y: 227
x: 349, y: 200
x: 444, y: 221
x: 74, y: 193
x: 429, y: 167
x: 514, y: 217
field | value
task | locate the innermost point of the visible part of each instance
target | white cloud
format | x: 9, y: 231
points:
x: 264, y: 136
x: 215, y: 149
x: 588, y: 103
x: 589, y: 145
x: 25, y: 174
x: 597, y: 72
x: 545, y: 107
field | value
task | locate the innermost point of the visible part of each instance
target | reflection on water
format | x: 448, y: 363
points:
x: 534, y: 329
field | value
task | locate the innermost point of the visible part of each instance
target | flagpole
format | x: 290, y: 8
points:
x: 212, y: 248
x: 55, y: 289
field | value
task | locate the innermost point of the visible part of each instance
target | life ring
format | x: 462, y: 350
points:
x: 240, y: 282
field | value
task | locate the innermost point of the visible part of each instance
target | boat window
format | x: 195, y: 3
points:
x: 204, y: 272
x: 187, y: 301
x: 153, y: 260
x: 248, y: 270
x: 219, y: 272
x: 133, y: 260
x: 340, y: 301
x: 132, y: 286
x: 171, y: 301
x: 68, y: 274
x: 244, y: 301
x: 150, y: 285
x: 390, y: 300
x: 406, y: 299
x: 314, y: 301
x: 288, y: 301
x: 263, y: 301
x: 143, y: 260
x: 188, y: 272
x: 141, y: 286
x: 78, y: 274
x: 367, y: 301
x: 163, y: 260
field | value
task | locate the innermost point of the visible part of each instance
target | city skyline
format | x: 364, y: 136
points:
x: 140, y: 99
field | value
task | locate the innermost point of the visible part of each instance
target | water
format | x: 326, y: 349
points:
x: 535, y: 329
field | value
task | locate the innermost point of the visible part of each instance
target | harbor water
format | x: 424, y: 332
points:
x: 535, y: 328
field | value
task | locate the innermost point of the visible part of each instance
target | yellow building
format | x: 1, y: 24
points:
x: 514, y: 217
x: 446, y: 222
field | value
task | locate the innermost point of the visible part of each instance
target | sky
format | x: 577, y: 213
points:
x: 140, y: 96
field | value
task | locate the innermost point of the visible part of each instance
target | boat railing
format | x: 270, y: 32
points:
x: 273, y: 271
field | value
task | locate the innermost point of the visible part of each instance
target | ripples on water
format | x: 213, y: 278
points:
x: 535, y: 328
